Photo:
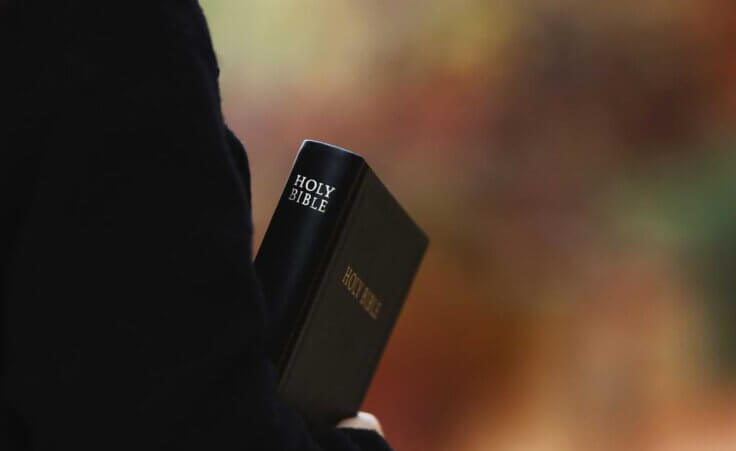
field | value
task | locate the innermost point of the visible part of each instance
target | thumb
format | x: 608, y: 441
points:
x: 363, y: 420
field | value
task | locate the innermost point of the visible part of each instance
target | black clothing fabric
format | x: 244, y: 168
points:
x: 132, y: 316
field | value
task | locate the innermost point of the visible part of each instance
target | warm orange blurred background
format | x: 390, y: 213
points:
x: 574, y: 164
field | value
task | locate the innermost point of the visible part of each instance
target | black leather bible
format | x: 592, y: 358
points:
x: 335, y: 265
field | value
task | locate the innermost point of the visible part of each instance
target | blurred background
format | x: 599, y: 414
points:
x: 574, y: 164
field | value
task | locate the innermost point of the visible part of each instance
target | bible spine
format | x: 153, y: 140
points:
x: 302, y: 234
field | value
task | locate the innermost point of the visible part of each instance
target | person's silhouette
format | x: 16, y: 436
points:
x: 132, y: 315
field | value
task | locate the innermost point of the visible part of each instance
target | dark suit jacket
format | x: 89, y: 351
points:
x: 132, y: 316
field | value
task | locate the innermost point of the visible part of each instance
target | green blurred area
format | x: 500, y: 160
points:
x: 573, y: 163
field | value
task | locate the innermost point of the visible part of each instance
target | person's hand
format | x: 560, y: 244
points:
x: 363, y: 420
